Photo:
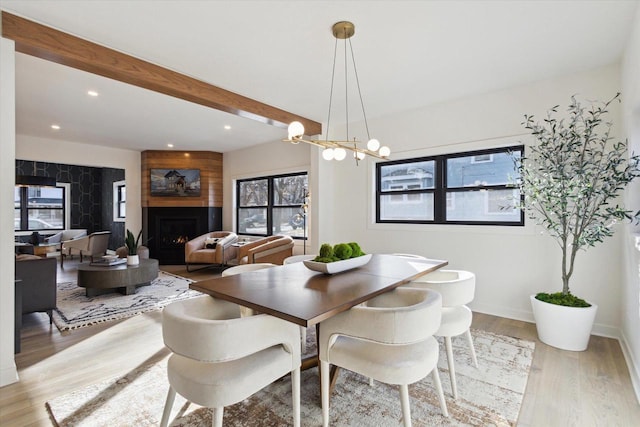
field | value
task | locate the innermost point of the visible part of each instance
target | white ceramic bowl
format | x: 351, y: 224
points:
x: 337, y: 266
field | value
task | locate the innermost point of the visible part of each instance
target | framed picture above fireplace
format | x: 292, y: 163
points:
x: 175, y: 182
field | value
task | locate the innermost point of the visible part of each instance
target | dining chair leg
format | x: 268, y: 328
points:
x: 295, y: 391
x: 443, y: 403
x: 171, y: 396
x: 452, y: 369
x: 406, y: 408
x: 218, y: 414
x: 471, y: 349
x: 324, y: 391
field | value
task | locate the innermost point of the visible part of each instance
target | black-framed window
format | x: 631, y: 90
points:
x: 39, y: 208
x: 472, y: 188
x: 121, y: 201
x: 272, y: 205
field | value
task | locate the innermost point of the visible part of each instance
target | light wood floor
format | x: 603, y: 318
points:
x: 590, y: 388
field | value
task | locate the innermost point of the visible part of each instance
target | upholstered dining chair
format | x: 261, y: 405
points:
x: 389, y: 338
x: 245, y: 311
x: 457, y: 288
x: 211, y: 367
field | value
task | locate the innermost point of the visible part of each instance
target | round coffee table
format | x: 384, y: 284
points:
x: 122, y: 278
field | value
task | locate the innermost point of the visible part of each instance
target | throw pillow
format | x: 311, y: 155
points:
x: 211, y: 242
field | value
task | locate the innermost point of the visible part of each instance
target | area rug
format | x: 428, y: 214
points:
x: 76, y: 310
x: 488, y: 396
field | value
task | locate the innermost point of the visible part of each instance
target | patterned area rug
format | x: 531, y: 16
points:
x: 488, y: 396
x: 76, y: 310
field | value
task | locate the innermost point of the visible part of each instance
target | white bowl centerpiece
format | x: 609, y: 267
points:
x: 338, y: 258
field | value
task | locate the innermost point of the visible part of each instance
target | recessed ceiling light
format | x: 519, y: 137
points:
x: 227, y: 127
x: 92, y: 93
x: 170, y: 145
x: 56, y: 127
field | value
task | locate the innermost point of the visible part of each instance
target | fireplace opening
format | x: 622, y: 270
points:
x: 168, y: 229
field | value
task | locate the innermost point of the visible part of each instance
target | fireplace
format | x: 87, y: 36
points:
x: 168, y: 229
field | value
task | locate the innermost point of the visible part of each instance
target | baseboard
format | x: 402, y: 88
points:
x: 9, y: 375
x: 634, y: 365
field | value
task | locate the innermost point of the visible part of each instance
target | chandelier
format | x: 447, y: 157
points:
x: 335, y: 149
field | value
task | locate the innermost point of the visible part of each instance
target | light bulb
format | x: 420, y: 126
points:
x: 373, y: 144
x: 327, y: 154
x: 339, y: 153
x: 295, y: 129
x: 384, y: 151
x: 358, y: 155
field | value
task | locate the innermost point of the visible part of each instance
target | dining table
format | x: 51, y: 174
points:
x: 306, y: 297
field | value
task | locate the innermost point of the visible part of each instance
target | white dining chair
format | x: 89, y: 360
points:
x: 297, y: 258
x: 389, y: 338
x: 245, y: 311
x: 211, y: 367
x: 408, y: 256
x: 457, y: 288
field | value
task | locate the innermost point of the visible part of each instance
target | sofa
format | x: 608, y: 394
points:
x: 35, y: 287
x: 271, y: 249
x: 66, y: 235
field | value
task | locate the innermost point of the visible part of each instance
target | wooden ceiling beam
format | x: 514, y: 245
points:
x: 53, y: 45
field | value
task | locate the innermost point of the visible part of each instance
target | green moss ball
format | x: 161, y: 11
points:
x: 342, y: 251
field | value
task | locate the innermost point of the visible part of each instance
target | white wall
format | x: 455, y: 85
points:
x: 631, y: 245
x: 73, y: 153
x: 8, y: 371
x: 510, y: 262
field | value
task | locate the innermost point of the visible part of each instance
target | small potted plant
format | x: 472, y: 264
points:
x: 570, y: 181
x: 131, y: 242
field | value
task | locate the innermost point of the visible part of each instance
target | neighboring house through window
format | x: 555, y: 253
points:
x: 462, y: 188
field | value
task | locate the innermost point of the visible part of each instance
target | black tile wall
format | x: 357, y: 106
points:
x: 91, y: 194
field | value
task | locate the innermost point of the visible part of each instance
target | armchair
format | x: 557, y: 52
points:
x: 92, y: 245
x: 196, y: 251
x: 272, y: 249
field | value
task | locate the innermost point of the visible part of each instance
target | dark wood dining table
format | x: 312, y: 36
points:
x: 305, y: 297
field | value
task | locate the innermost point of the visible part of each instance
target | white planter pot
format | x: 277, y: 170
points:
x: 133, y: 259
x: 566, y: 328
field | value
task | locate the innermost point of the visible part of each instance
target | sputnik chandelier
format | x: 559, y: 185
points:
x: 334, y: 149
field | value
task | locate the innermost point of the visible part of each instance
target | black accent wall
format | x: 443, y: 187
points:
x: 91, y: 194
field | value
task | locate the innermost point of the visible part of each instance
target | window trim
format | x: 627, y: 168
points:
x: 270, y: 206
x: 441, y: 189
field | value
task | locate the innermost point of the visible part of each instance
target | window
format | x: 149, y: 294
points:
x: 119, y: 201
x: 272, y: 205
x: 39, y: 208
x: 461, y: 188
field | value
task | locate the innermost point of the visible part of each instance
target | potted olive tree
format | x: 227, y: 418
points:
x: 131, y: 242
x: 571, y: 179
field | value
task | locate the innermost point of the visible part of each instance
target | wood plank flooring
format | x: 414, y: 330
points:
x: 590, y: 388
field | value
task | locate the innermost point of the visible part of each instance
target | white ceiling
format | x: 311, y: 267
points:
x: 409, y: 54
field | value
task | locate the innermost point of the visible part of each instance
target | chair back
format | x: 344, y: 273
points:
x: 297, y: 258
x: 98, y: 243
x: 403, y: 315
x: 207, y: 329
x: 457, y: 287
x: 245, y: 267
